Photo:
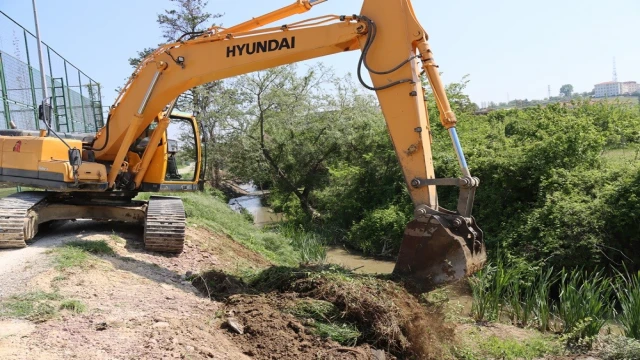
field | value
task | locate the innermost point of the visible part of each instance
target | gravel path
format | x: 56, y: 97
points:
x: 17, y: 266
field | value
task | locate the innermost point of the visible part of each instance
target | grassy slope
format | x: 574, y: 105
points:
x: 214, y: 214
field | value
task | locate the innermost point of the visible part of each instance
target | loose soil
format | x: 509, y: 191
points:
x: 392, y: 322
x: 138, y: 304
x: 270, y: 333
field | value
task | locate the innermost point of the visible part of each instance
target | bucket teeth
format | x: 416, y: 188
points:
x: 434, y: 252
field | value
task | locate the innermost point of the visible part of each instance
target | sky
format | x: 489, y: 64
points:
x: 510, y: 49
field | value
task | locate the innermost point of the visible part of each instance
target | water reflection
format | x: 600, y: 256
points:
x: 262, y: 215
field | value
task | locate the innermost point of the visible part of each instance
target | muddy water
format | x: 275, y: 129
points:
x: 263, y: 215
x: 358, y: 263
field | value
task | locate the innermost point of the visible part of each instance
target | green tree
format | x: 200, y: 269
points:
x: 566, y: 90
x: 293, y: 128
x: 188, y: 17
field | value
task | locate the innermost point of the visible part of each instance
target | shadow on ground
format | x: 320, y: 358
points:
x: 84, y: 230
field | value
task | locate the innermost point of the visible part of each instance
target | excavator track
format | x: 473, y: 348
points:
x: 164, y: 227
x: 17, y: 222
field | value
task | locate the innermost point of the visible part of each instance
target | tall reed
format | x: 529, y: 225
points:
x: 585, y: 303
x: 628, y: 294
x: 542, y: 306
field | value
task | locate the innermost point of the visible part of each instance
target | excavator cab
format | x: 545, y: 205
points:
x: 183, y: 159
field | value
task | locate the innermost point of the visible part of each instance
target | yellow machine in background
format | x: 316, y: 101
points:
x: 77, y: 184
x: 101, y: 174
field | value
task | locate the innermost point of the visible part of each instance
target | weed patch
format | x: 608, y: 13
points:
x: 75, y: 306
x: 77, y: 253
x: 326, y: 321
x: 92, y: 247
x: 343, y: 333
x: 479, y: 345
x: 615, y: 347
x: 35, y: 306
x: 584, y: 302
x: 509, y: 349
x: 310, y: 246
x: 115, y: 237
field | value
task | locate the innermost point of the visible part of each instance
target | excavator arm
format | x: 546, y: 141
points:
x: 439, y: 245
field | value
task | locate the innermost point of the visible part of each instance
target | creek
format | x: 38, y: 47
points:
x: 263, y: 215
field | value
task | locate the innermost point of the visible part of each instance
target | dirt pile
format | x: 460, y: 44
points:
x: 269, y: 333
x: 382, y: 314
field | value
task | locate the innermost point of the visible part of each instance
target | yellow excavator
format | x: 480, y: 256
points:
x: 99, y: 176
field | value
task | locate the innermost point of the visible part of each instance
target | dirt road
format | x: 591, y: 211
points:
x: 18, y: 266
x: 136, y: 305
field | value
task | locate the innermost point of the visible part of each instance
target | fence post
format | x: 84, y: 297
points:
x: 5, y: 96
x: 84, y: 118
x: 66, y: 78
x: 53, y: 90
x: 100, y: 104
x: 33, y: 88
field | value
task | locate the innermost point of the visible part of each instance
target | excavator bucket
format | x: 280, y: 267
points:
x: 439, y: 249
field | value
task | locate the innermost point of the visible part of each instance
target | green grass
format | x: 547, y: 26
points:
x: 507, y: 349
x: 75, y: 306
x: 479, y: 346
x: 583, y: 306
x: 325, y: 321
x: 311, y: 246
x: 35, y: 306
x: 78, y: 253
x: 343, y: 333
x: 115, y: 237
x: 615, y: 347
x: 314, y: 309
x: 4, y: 192
x: 628, y: 294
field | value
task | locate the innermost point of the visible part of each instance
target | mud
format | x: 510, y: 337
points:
x: 387, y: 316
x: 270, y: 333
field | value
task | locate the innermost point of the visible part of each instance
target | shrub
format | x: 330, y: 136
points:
x: 380, y: 232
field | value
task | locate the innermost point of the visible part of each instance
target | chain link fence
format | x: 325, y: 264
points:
x: 75, y: 97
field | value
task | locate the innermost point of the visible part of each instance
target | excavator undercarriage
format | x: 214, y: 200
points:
x: 23, y: 213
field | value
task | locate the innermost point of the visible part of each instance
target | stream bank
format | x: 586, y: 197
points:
x: 264, y: 215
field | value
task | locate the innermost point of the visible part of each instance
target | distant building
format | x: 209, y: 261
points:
x: 629, y: 87
x: 607, y: 89
x: 614, y: 88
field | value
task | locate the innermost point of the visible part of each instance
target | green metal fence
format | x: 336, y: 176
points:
x: 75, y: 97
